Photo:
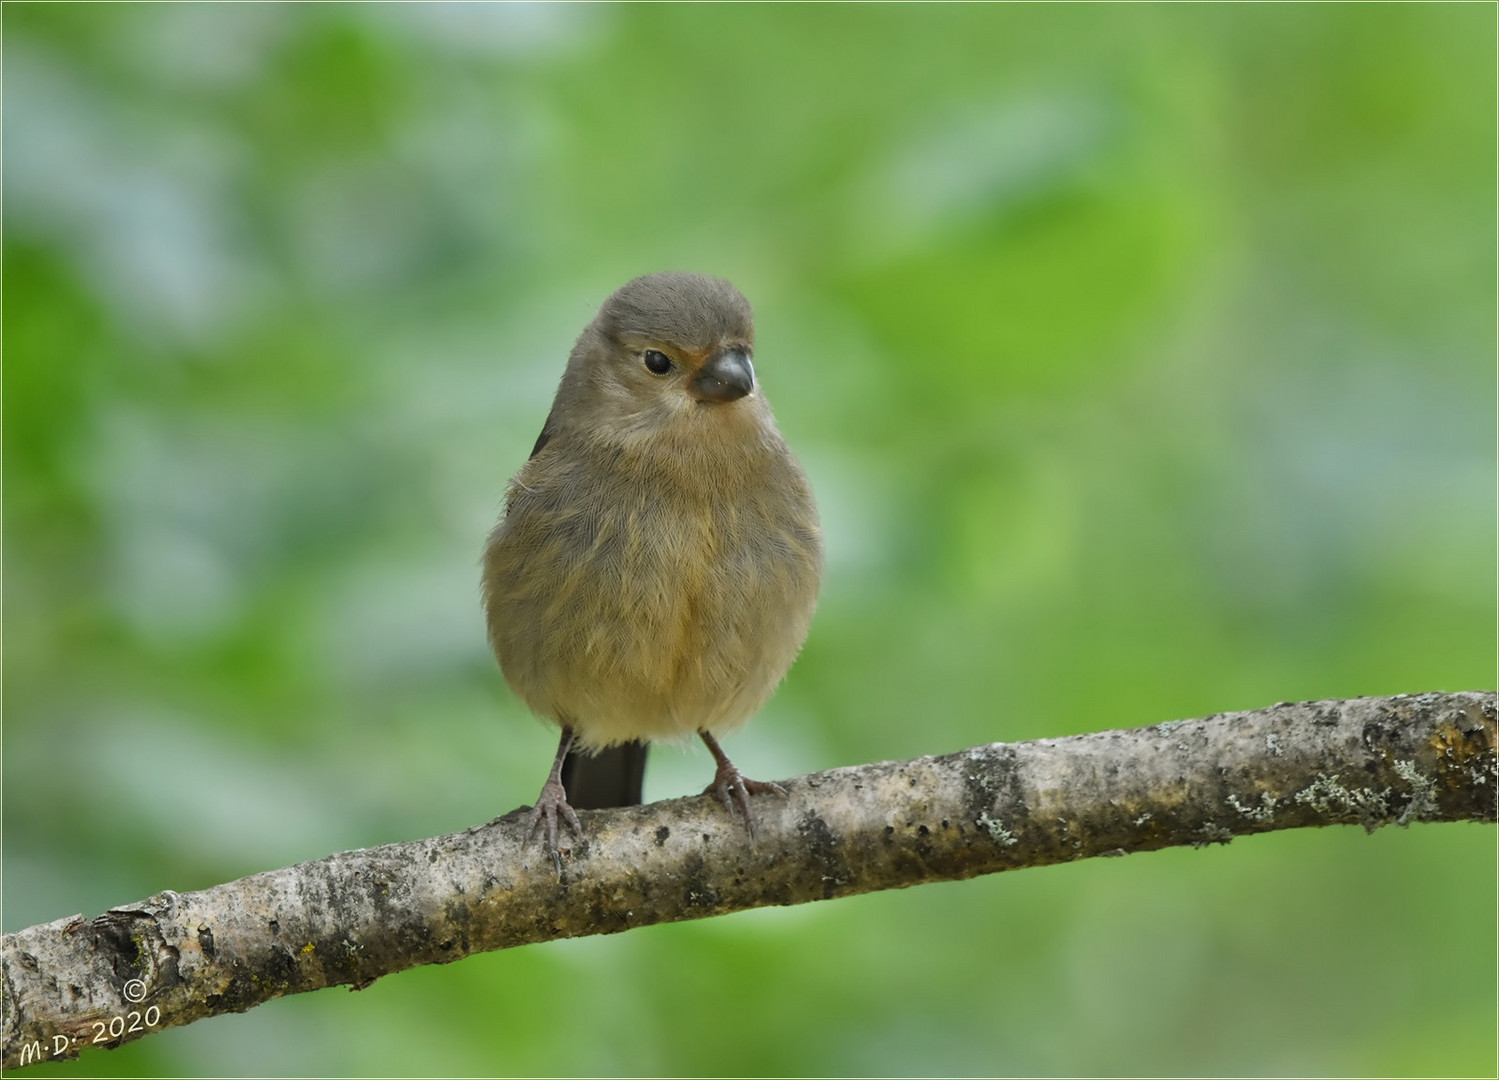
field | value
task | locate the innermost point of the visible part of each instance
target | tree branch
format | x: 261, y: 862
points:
x: 357, y: 915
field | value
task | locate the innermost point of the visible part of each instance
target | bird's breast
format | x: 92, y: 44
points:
x: 634, y: 604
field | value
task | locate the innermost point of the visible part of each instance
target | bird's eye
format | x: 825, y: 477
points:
x: 656, y: 361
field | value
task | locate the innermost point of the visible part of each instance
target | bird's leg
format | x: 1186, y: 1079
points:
x: 732, y: 787
x: 551, y: 802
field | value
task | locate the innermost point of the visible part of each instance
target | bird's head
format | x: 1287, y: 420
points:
x: 667, y: 356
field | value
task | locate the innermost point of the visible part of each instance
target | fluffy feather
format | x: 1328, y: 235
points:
x: 657, y: 565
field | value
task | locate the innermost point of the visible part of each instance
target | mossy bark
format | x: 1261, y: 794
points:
x: 357, y: 915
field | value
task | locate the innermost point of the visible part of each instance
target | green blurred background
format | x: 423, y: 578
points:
x: 1143, y: 361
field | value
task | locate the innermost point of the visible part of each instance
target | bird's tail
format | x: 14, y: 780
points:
x: 614, y: 776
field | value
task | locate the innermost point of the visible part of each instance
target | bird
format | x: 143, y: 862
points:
x: 656, y: 566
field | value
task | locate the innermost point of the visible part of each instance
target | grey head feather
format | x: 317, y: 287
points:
x: 691, y: 311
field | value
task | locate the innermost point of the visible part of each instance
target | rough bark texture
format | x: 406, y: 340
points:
x: 357, y: 915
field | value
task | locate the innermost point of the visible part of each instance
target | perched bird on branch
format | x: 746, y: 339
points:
x: 656, y: 567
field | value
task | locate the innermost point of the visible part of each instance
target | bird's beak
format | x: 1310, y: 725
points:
x: 727, y: 376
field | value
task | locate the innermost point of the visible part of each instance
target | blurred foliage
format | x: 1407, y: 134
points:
x: 1142, y: 358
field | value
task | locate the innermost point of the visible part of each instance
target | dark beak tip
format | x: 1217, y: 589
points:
x: 727, y: 377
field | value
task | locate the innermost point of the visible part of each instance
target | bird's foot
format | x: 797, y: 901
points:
x: 733, y: 789
x: 549, y: 804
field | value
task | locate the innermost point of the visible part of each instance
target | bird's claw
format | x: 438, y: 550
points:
x: 543, y: 816
x: 733, y: 789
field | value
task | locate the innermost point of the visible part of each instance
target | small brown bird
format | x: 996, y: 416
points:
x: 656, y: 568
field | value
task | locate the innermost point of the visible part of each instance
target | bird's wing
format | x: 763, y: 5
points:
x: 548, y: 429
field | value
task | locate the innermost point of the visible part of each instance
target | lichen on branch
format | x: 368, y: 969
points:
x: 354, y: 916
